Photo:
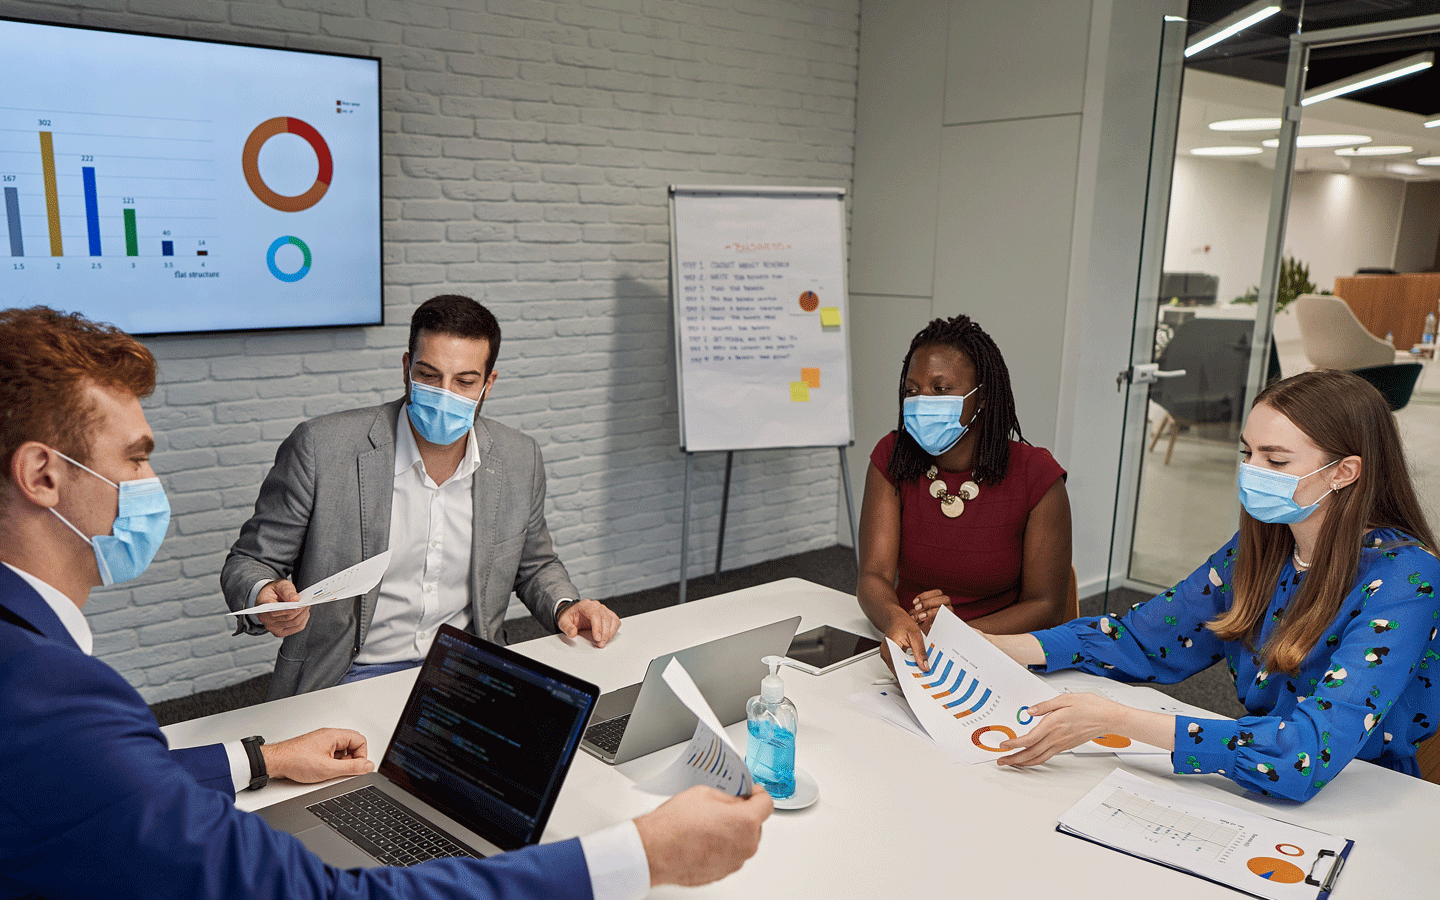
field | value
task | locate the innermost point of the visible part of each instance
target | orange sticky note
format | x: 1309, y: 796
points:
x: 799, y: 391
x: 830, y: 316
x: 811, y: 377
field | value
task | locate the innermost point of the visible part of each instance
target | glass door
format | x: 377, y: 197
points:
x: 1222, y: 256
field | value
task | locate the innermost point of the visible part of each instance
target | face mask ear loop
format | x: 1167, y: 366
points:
x: 68, y: 525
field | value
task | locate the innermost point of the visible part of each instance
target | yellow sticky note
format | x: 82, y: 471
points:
x: 799, y: 391
x: 829, y: 316
x: 811, y: 377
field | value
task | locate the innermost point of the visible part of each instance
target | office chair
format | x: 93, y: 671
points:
x: 1333, y: 338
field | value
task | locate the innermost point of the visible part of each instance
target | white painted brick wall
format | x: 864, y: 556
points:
x: 527, y: 148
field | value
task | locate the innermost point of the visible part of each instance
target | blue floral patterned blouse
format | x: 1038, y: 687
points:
x: 1364, y: 692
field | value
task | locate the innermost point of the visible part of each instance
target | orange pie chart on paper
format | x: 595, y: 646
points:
x: 250, y: 163
x: 1113, y: 741
x: 809, y: 301
x: 1277, y: 870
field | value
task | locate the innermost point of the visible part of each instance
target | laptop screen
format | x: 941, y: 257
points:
x: 487, y: 737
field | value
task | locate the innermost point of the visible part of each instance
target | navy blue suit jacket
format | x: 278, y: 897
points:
x: 94, y: 804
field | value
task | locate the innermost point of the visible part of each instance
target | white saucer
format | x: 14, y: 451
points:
x: 806, y: 792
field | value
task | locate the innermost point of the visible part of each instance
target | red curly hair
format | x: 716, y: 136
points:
x: 46, y: 359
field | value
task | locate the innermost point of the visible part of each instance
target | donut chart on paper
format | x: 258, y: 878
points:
x: 250, y: 163
x: 1287, y: 848
x: 1003, y: 729
x: 1276, y: 870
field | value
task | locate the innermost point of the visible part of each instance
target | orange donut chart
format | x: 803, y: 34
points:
x: 1113, y: 741
x: 250, y: 163
x: 1003, y: 729
x: 1286, y: 848
x: 1276, y: 870
x: 809, y: 301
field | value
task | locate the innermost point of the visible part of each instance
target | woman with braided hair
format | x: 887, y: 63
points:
x: 956, y: 512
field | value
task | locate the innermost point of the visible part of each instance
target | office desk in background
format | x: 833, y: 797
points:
x: 894, y: 818
x: 1392, y: 303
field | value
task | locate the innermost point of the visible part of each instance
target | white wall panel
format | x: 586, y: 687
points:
x: 1015, y: 59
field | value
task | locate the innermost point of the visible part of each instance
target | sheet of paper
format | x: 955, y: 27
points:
x: 352, y: 582
x: 974, y: 697
x: 710, y: 758
x: 889, y: 704
x: 1246, y: 851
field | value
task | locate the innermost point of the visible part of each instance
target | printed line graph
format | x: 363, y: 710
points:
x: 1186, y: 832
x: 942, y: 686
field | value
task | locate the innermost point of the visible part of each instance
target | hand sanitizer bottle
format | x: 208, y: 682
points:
x: 772, y: 722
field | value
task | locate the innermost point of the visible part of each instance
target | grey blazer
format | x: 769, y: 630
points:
x: 326, y: 506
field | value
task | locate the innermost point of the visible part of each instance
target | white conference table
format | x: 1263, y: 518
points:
x: 894, y: 818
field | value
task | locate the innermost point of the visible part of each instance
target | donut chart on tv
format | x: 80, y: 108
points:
x: 289, y: 277
x: 250, y: 163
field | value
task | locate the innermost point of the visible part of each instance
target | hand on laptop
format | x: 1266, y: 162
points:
x: 701, y: 835
x: 589, y: 617
x: 287, y: 622
x: 318, y: 756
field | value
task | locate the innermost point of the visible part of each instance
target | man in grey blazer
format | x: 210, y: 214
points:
x: 458, y: 499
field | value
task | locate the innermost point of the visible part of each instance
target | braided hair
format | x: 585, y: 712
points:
x: 993, y: 422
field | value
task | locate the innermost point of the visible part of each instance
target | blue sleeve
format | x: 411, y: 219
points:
x: 208, y: 765
x: 1163, y: 639
x: 1372, y: 656
x: 92, y: 804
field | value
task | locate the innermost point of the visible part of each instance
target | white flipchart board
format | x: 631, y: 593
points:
x: 761, y: 317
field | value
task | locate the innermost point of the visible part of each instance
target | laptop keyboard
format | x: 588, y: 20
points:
x: 385, y: 829
x: 606, y: 735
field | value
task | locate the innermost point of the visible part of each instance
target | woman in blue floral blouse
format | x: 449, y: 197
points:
x: 1324, y: 605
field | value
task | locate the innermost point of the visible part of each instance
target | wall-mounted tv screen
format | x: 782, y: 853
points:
x: 169, y: 185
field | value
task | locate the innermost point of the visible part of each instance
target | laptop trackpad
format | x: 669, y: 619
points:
x: 617, y: 703
x: 327, y: 844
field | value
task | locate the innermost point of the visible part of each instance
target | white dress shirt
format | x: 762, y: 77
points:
x: 428, y: 582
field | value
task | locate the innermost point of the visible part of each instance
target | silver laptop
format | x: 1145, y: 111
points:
x: 473, y: 769
x: 642, y: 718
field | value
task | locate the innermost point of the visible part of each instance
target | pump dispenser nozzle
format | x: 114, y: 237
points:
x: 772, y: 688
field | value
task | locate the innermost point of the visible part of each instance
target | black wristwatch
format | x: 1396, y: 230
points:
x: 259, y: 777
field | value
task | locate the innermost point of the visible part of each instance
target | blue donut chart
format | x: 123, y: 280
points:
x: 289, y: 277
x: 1022, y: 715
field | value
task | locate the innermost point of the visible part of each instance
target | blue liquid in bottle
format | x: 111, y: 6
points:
x: 770, y: 754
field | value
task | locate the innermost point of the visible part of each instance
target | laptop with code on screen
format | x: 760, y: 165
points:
x: 473, y: 769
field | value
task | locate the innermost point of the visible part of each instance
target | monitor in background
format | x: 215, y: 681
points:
x: 170, y: 185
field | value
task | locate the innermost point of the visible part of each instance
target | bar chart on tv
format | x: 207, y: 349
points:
x: 93, y: 190
x: 165, y: 185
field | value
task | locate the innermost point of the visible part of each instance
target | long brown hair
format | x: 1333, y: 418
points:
x: 1343, y: 416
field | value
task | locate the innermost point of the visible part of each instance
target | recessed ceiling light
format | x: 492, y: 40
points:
x: 1311, y: 141
x: 1374, y: 150
x: 1226, y: 151
x: 1428, y: 161
x: 1431, y: 123
x: 1248, y: 125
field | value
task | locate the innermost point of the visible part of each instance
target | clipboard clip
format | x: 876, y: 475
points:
x: 1329, y: 883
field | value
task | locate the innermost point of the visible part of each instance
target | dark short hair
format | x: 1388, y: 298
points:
x: 47, y: 358
x: 460, y: 317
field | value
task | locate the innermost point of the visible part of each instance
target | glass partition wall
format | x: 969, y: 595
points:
x: 1240, y: 223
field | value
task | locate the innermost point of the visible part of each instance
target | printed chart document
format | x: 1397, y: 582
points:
x: 886, y: 702
x: 974, y: 697
x: 356, y: 580
x: 1251, y: 853
x: 710, y: 758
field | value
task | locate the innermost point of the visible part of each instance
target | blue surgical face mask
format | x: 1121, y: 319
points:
x: 934, y: 422
x: 1269, y: 496
x: 440, y: 416
x: 141, y: 517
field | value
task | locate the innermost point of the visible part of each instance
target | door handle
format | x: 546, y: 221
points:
x: 1144, y: 373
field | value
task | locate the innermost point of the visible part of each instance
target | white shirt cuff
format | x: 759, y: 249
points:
x: 239, y: 764
x: 616, y: 859
x: 556, y: 610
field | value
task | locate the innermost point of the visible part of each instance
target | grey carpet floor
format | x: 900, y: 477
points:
x: 833, y: 567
